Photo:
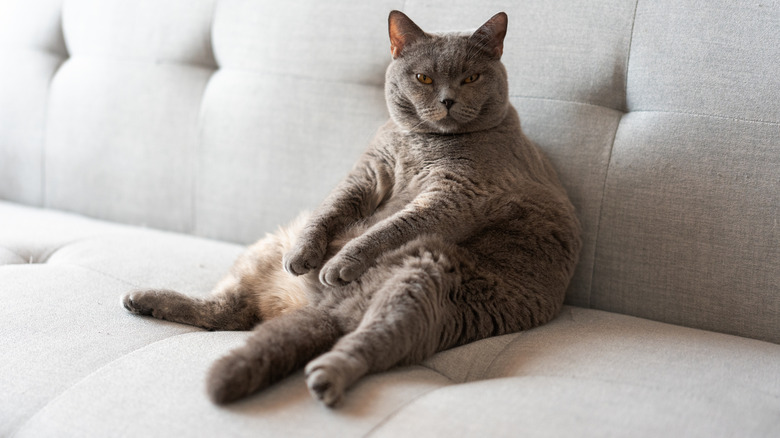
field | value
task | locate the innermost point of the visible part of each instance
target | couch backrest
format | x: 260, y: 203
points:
x: 225, y: 118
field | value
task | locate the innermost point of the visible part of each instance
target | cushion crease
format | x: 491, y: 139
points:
x: 86, y: 377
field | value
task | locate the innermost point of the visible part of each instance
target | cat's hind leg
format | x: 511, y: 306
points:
x: 273, y: 350
x: 404, y: 322
x: 256, y: 289
x: 228, y: 308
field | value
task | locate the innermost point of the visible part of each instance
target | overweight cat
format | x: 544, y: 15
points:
x: 452, y: 227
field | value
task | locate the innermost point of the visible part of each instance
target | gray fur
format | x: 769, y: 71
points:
x: 452, y: 227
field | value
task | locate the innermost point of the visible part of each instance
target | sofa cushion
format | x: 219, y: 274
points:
x: 690, y: 224
x: 75, y: 363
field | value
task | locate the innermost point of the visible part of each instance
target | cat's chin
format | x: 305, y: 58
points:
x: 450, y: 125
x: 435, y: 122
x: 443, y: 125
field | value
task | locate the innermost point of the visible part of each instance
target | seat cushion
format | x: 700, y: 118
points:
x: 75, y: 363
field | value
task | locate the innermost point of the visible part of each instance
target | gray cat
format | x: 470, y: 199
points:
x: 452, y: 227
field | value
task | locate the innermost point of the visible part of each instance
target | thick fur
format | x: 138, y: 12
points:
x: 451, y: 228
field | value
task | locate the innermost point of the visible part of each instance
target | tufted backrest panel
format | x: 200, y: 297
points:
x: 282, y: 120
x: 32, y: 50
x: 224, y: 118
x: 123, y: 115
x: 689, y: 228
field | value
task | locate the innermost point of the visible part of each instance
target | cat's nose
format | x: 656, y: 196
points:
x: 448, y: 103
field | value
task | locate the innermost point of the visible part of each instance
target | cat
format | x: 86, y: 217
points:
x: 451, y: 227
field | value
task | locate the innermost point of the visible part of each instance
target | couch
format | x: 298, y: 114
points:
x: 145, y: 143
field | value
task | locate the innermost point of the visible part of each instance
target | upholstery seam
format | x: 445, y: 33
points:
x: 427, y: 367
x: 83, y: 379
x: 628, y: 55
x: 714, y: 116
x: 576, y: 379
x: 44, y: 201
x: 211, y: 35
x: 518, y: 336
x: 662, y: 111
x: 44, y: 259
x: 107, y: 275
x: 552, y: 99
x: 600, y: 216
x: 260, y: 72
x: 399, y: 409
x: 197, y: 153
x: 144, y: 60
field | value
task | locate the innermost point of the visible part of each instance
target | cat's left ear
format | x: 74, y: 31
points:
x: 490, y: 37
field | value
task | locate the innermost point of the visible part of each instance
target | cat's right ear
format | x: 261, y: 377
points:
x: 403, y: 32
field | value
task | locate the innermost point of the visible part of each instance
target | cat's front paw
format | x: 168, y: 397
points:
x: 341, y: 270
x: 302, y: 259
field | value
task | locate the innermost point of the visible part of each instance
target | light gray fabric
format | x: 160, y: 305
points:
x: 61, y: 283
x: 32, y: 49
x: 129, y: 97
x: 224, y: 118
x: 173, y: 31
x: 272, y: 38
x: 563, y: 406
x: 135, y: 125
x: 719, y: 59
x: 266, y: 155
x: 690, y: 218
x: 689, y: 230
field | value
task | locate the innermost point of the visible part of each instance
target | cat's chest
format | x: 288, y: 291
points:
x: 411, y: 177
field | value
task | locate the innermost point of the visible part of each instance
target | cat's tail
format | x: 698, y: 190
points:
x: 275, y: 349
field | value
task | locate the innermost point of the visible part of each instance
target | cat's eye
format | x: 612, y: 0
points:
x: 471, y: 79
x: 424, y: 79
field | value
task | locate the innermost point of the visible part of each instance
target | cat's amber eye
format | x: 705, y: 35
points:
x: 471, y: 78
x: 424, y: 79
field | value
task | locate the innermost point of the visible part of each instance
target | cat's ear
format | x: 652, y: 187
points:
x: 490, y: 37
x: 403, y: 32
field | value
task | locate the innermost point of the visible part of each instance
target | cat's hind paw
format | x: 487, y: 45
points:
x: 229, y: 379
x: 135, y: 303
x: 325, y: 385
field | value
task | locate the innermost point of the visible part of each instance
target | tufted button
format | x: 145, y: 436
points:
x: 22, y: 257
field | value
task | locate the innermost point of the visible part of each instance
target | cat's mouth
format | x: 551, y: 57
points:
x: 447, y: 120
x: 435, y: 114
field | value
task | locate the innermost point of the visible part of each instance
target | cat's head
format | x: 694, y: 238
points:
x: 446, y: 83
